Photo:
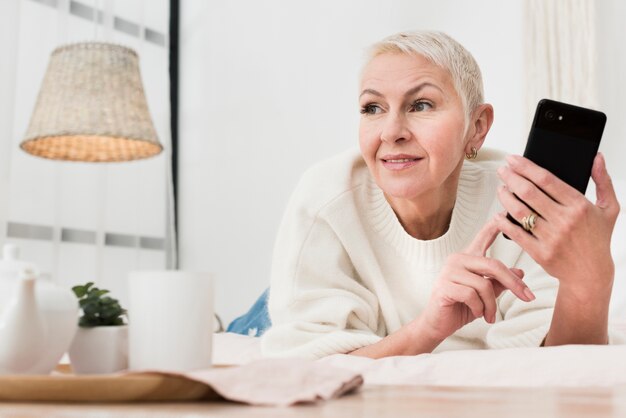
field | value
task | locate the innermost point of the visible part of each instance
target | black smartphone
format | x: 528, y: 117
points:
x: 564, y: 139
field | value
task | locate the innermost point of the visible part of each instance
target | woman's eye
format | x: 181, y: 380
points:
x: 420, y: 106
x: 370, y: 109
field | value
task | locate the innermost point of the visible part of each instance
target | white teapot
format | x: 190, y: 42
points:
x: 38, y: 319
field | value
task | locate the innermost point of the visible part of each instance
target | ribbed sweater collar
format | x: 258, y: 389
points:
x: 467, y: 217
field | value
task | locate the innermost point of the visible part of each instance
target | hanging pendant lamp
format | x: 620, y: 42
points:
x: 92, y: 107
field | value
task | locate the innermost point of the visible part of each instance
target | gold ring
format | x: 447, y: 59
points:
x: 528, y: 222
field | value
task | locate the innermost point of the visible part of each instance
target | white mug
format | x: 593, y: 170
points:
x: 170, y: 320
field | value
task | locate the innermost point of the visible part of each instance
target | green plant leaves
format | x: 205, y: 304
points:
x: 98, y: 310
x: 81, y: 290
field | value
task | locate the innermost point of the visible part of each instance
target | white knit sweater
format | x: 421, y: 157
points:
x: 345, y: 273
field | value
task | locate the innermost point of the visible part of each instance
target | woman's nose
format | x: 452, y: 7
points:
x: 395, y: 129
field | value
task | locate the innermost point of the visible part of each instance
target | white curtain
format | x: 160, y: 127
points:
x: 560, y: 52
x: 9, y: 19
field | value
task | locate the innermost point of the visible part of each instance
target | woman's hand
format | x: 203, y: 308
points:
x: 571, y: 241
x: 572, y: 236
x: 468, y: 286
x: 466, y: 289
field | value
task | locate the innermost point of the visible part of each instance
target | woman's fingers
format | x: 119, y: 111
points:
x: 605, y: 193
x: 518, y: 272
x: 518, y: 209
x: 470, y: 283
x: 484, y: 288
x: 517, y: 234
x: 498, y: 288
x: 543, y: 179
x: 496, y: 270
x: 483, y: 240
x: 466, y: 295
x: 473, y: 286
x: 524, y: 195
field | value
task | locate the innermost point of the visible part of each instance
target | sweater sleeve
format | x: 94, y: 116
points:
x: 317, y: 303
x: 526, y: 324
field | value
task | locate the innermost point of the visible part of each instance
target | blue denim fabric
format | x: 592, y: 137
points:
x: 254, y: 322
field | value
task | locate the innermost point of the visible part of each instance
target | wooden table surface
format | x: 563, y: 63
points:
x: 371, y: 401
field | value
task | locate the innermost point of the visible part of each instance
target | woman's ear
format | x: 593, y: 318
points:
x: 480, y: 123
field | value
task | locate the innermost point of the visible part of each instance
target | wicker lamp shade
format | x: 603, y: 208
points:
x: 92, y: 107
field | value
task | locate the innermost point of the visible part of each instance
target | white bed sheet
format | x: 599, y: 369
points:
x: 566, y: 366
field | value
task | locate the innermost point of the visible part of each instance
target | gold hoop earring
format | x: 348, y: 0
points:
x: 473, y: 155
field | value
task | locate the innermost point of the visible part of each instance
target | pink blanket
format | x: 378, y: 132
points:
x: 279, y: 382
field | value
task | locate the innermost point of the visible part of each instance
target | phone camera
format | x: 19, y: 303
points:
x: 550, y: 115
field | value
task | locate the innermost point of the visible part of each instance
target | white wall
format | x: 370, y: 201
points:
x: 268, y: 88
x: 611, y: 66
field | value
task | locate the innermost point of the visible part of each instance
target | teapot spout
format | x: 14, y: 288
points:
x: 22, y: 333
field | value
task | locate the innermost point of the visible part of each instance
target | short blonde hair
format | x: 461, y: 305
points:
x: 444, y: 52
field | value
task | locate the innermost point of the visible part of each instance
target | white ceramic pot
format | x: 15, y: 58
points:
x: 100, y: 350
x: 57, y: 308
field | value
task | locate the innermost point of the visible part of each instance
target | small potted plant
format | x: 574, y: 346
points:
x: 101, y: 343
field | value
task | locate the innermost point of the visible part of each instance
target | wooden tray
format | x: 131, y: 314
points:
x: 145, y: 387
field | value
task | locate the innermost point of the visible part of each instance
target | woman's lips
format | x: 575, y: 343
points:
x: 399, y: 162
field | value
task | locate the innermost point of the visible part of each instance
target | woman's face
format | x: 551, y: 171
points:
x: 412, y: 125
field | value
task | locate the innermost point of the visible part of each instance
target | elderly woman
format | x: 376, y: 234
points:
x: 398, y: 249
